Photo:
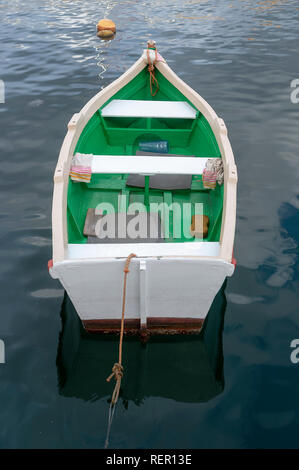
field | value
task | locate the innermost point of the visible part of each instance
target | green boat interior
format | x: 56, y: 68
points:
x: 122, y: 136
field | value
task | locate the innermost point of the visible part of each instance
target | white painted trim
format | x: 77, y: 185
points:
x: 119, y: 250
x: 149, y: 109
x: 76, y: 263
x: 148, y: 165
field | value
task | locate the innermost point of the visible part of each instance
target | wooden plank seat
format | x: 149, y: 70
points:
x: 149, y: 109
x: 116, y: 250
x: 164, y: 182
x: 144, y: 165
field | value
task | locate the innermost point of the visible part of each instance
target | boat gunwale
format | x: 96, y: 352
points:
x: 76, y: 126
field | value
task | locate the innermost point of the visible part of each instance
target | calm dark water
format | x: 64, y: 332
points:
x: 241, y: 57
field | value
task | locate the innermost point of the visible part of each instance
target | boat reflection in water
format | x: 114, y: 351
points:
x: 187, y: 368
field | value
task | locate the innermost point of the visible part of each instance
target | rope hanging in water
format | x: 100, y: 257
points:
x: 151, y: 66
x: 117, y: 369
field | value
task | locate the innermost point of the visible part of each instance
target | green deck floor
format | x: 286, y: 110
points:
x: 83, y: 196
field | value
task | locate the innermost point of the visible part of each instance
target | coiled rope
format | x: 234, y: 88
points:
x: 117, y: 369
x: 151, y: 67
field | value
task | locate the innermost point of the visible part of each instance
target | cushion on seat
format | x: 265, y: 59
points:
x: 163, y: 182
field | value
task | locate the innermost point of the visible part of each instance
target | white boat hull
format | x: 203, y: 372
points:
x: 172, y: 284
x: 159, y: 291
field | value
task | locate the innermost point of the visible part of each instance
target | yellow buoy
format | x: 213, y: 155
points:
x: 106, y: 25
x: 105, y: 34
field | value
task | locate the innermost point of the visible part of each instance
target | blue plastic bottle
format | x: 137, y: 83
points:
x: 158, y: 146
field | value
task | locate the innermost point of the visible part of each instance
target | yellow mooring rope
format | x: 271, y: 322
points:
x: 151, y: 69
x: 117, y: 369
